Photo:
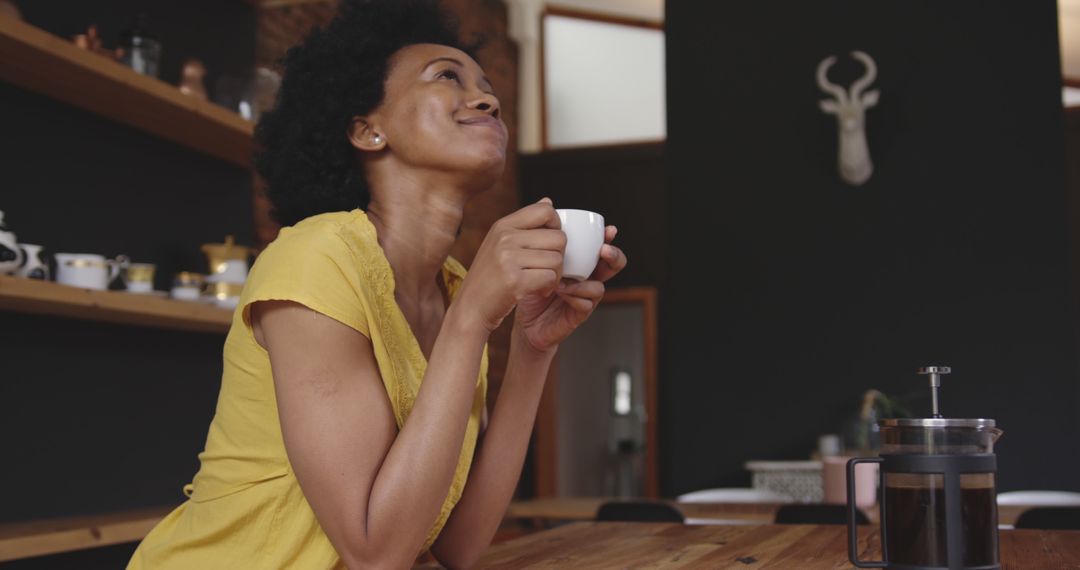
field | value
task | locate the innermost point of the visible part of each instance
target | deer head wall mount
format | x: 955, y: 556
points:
x: 849, y: 106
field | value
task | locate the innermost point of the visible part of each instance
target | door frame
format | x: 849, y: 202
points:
x: 545, y: 431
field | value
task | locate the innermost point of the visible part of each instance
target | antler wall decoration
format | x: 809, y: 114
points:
x: 853, y: 156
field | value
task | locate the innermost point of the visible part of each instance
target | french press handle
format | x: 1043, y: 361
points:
x: 853, y: 528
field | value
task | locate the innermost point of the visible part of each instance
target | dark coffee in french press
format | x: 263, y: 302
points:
x: 916, y: 517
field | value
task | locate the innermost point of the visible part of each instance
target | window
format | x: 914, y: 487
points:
x: 604, y: 81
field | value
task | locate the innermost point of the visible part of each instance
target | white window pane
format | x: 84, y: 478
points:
x: 603, y: 82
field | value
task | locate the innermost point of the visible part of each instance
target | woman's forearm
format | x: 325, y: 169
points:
x: 497, y: 467
x: 413, y: 481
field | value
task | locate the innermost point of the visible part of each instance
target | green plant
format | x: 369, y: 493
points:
x: 862, y: 432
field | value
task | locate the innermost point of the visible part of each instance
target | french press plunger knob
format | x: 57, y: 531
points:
x: 935, y: 373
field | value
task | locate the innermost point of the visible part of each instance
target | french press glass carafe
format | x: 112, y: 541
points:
x: 939, y: 500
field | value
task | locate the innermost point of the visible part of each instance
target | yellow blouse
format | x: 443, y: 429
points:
x: 245, y: 507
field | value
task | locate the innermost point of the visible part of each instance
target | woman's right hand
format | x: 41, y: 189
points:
x: 521, y: 255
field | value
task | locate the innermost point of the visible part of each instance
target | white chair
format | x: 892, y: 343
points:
x: 1039, y: 498
x: 733, y: 495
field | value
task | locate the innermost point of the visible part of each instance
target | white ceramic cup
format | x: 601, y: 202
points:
x: 88, y: 270
x: 139, y: 277
x: 584, y: 235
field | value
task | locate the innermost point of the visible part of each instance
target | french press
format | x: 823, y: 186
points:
x: 939, y: 500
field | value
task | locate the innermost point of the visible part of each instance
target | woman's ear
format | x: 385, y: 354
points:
x: 364, y: 136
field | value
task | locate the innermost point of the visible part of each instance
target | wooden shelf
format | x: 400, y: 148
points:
x: 38, y: 61
x: 53, y: 536
x: 47, y: 298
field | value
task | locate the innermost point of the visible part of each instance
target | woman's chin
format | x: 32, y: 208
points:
x: 488, y: 163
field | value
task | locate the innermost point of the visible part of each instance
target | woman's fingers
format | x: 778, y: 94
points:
x: 537, y: 282
x: 593, y: 290
x: 542, y: 214
x: 612, y: 261
x: 579, y: 304
x: 543, y: 238
x: 541, y: 259
x: 612, y: 255
x: 582, y: 296
x: 497, y: 280
x: 609, y: 233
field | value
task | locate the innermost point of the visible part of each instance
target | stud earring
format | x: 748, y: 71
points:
x: 378, y: 139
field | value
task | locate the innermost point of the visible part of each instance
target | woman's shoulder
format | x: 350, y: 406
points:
x: 327, y: 245
x: 329, y: 227
x: 317, y: 263
x: 325, y: 232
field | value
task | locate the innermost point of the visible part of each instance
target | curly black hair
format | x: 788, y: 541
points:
x: 338, y: 72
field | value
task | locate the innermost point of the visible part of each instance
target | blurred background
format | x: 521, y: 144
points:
x: 774, y: 306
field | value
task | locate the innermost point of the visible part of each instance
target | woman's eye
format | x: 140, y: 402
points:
x: 449, y: 74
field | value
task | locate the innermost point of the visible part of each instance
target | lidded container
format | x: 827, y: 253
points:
x: 939, y: 492
x: 228, y: 261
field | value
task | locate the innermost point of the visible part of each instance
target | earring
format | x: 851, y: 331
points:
x: 378, y: 139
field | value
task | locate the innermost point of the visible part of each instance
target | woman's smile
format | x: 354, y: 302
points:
x: 486, y: 121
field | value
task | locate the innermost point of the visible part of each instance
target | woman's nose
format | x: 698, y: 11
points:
x: 487, y: 103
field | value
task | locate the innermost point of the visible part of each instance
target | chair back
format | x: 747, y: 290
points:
x: 1050, y: 518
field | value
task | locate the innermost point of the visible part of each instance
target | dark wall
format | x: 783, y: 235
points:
x: 98, y: 417
x: 1072, y: 176
x: 790, y: 293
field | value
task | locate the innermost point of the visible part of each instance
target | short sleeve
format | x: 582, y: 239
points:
x: 312, y: 266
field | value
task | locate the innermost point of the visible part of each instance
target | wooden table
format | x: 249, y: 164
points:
x: 804, y: 547
x: 584, y: 509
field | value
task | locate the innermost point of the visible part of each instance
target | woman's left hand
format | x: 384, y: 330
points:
x: 547, y: 321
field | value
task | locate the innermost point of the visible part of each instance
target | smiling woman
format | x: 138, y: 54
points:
x: 423, y: 114
x: 351, y: 427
